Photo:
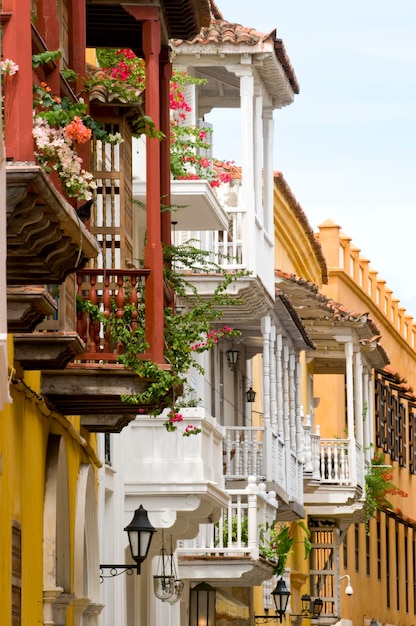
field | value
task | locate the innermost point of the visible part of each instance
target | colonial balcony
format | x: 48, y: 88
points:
x: 91, y: 385
x: 195, y: 205
x: 178, y: 478
x: 229, y: 552
x: 262, y: 453
x: 333, y: 476
x: 328, y: 475
x: 46, y: 241
x: 236, y: 248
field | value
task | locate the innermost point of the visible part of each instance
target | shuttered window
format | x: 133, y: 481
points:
x: 16, y: 575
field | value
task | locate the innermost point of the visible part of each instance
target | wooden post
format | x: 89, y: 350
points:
x: 153, y: 250
x: 18, y: 88
x: 165, y: 76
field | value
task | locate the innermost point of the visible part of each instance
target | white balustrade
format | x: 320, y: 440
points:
x: 243, y: 452
x: 334, y: 465
x: 237, y: 533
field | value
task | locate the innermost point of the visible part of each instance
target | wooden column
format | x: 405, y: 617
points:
x: 165, y: 76
x: 17, y: 46
x: 47, y: 24
x: 153, y: 250
x: 77, y: 37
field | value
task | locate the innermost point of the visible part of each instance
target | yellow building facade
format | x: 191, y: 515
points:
x: 378, y: 558
x: 382, y: 561
x: 49, y: 532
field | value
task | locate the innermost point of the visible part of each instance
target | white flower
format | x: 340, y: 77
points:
x: 8, y: 67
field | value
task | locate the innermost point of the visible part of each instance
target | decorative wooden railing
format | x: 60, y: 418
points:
x: 243, y: 452
x: 328, y: 460
x: 111, y: 291
x: 237, y: 533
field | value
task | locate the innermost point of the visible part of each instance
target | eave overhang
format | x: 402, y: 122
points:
x: 46, y: 241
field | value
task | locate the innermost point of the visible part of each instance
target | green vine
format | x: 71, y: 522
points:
x: 187, y: 333
x: 379, y: 487
x: 276, y: 542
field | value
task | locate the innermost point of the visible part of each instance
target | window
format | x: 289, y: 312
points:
x: 406, y: 570
x: 107, y: 448
x: 414, y: 569
x: 378, y: 531
x: 345, y: 551
x: 387, y: 544
x: 396, y: 547
x: 357, y: 547
x: 16, y: 575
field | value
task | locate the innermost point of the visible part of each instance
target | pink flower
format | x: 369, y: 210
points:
x: 175, y: 417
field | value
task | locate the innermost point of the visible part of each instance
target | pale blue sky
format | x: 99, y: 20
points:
x: 347, y: 145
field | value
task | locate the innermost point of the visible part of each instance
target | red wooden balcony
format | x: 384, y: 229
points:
x: 92, y: 385
x: 111, y: 292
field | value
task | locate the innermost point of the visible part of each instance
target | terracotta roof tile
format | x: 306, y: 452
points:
x: 311, y: 305
x: 222, y: 32
x: 126, y: 95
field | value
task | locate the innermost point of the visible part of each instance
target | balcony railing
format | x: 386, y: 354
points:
x: 263, y: 454
x: 243, y: 453
x: 237, y: 533
x: 111, y: 291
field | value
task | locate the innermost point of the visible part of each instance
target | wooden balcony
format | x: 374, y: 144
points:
x: 93, y: 384
x: 333, y: 476
x: 229, y: 551
x: 46, y: 241
x: 261, y: 453
x: 177, y: 477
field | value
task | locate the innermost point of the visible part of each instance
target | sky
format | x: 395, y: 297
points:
x: 347, y: 145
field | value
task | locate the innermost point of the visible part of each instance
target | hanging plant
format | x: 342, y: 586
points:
x: 276, y: 542
x: 192, y: 331
x: 189, y: 145
x: 59, y: 126
x: 379, y: 487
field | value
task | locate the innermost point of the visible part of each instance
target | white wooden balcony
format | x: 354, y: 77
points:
x: 179, y: 479
x: 262, y: 453
x: 333, y: 472
x: 229, y: 552
x: 330, y: 470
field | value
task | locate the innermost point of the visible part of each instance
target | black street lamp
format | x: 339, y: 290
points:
x: 140, y: 532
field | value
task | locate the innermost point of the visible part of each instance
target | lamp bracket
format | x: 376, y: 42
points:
x: 114, y: 570
x: 263, y: 619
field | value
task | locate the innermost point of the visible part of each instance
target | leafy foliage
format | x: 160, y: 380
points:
x: 276, y: 542
x: 234, y: 531
x: 187, y: 333
x: 378, y: 488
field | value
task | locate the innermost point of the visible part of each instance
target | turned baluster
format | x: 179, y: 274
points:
x: 134, y: 301
x: 120, y: 300
x: 107, y: 311
x: 81, y: 324
x: 94, y: 324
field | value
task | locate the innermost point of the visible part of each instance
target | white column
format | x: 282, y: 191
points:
x: 258, y: 153
x: 273, y: 410
x: 252, y: 522
x: 268, y: 183
x: 265, y: 329
x: 245, y: 73
x: 348, y: 347
x: 292, y: 401
x: 279, y: 385
x: 358, y: 396
x: 367, y: 415
x: 286, y: 425
x: 298, y: 410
